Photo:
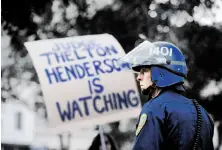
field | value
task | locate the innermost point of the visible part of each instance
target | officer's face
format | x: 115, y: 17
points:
x: 144, y: 78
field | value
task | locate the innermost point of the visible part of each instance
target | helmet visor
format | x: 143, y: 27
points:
x: 145, y: 54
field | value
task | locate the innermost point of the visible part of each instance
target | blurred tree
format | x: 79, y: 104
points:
x: 128, y: 20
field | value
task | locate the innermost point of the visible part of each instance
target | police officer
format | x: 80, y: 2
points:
x: 168, y: 120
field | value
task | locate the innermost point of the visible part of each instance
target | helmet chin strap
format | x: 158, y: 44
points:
x: 149, y: 91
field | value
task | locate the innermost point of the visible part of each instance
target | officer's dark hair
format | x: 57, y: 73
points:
x: 97, y: 142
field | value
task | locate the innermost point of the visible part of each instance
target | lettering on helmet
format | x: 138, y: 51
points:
x: 165, y: 51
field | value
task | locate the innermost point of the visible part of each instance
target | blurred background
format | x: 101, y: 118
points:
x: 195, y: 26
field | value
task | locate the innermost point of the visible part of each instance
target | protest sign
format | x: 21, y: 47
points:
x: 82, y: 82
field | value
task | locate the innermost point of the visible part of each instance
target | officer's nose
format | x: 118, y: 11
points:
x: 139, y: 77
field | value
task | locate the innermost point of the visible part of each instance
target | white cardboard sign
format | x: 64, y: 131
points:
x: 81, y: 81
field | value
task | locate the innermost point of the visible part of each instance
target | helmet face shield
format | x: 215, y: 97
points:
x: 146, y: 54
x: 166, y: 61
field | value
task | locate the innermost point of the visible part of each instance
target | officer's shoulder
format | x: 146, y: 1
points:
x: 170, y: 99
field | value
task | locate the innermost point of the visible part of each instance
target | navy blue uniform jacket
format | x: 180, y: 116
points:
x: 170, y: 124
